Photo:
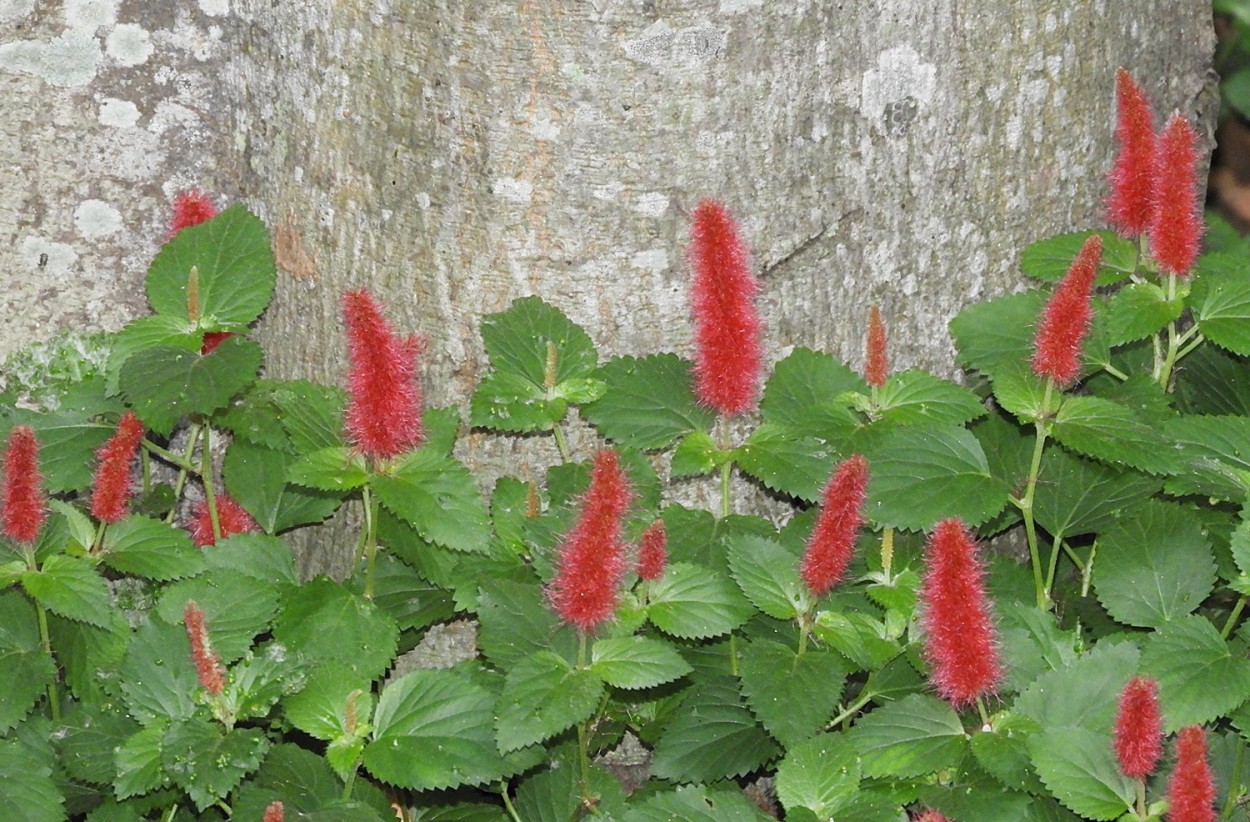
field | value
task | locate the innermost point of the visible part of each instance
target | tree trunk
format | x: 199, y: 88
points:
x: 453, y: 156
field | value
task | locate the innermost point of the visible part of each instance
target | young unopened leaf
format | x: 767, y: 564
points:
x: 694, y: 603
x: 712, y: 736
x: 438, y: 497
x: 544, y: 695
x: 1154, y: 565
x: 794, y: 695
x: 1078, y: 766
x: 916, y: 735
x: 636, y: 662
x: 150, y: 548
x: 1189, y: 657
x: 648, y: 402
x: 70, y: 586
x: 696, y: 454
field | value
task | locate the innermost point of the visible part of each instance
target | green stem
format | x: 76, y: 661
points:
x: 184, y: 466
x: 169, y: 817
x: 1173, y: 343
x: 1234, y: 793
x: 985, y: 716
x: 1141, y: 797
x: 1233, y: 617
x: 863, y: 699
x: 507, y: 802
x: 54, y: 698
x: 1115, y: 372
x: 722, y: 432
x: 583, y: 735
x: 1026, y: 503
x: 350, y: 783
x: 206, y: 477
x: 371, y: 539
x: 182, y: 461
x: 1054, y: 562
x: 562, y: 444
x: 145, y: 464
x: 1087, y: 573
x: 1072, y: 555
x: 733, y: 654
x: 1187, y: 349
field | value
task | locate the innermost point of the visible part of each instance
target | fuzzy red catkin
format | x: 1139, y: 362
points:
x: 24, y: 505
x: 191, y: 208
x: 832, y: 542
x: 1191, y: 789
x: 232, y: 518
x: 1138, y: 728
x: 653, y: 551
x: 1176, y: 212
x: 1132, y: 175
x: 111, y: 491
x: 876, y: 359
x: 1066, y: 318
x: 207, y: 664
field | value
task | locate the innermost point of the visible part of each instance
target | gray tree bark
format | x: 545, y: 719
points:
x: 455, y: 155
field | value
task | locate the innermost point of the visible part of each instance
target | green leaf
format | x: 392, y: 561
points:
x: 914, y: 396
x: 695, y: 603
x: 1154, y: 565
x: 1032, y: 642
x: 237, y: 607
x: 648, y: 402
x: 543, y: 696
x: 25, y: 669
x: 156, y: 331
x: 696, y: 454
x: 234, y: 265
x: 403, y: 594
x: 1084, y: 694
x: 921, y: 474
x: 150, y: 548
x: 86, y: 652
x: 138, y: 762
x: 67, y: 445
x: 1199, y: 676
x: 256, y: 477
x: 803, y: 394
x: 1139, y: 310
x: 636, y: 662
x: 1076, y: 496
x: 916, y: 735
x: 794, y: 695
x: 696, y: 803
x: 208, y: 761
x: 166, y: 384
x: 1220, y: 298
x: 712, y: 736
x: 1216, y: 451
x: 1112, y: 433
x: 311, y: 414
x: 1214, y: 381
x: 861, y: 638
x: 1050, y: 259
x: 158, y: 679
x: 1022, y: 393
x: 1078, y: 766
x: 308, y: 790
x: 517, y: 341
x: 555, y: 792
x: 1004, y: 754
x: 998, y: 333
x: 516, y: 622
x: 820, y: 774
x: 434, y: 729
x: 326, y: 622
x: 768, y: 575
x: 86, y: 740
x: 320, y: 708
x: 69, y: 586
x: 794, y: 465
x: 30, y: 793
x: 504, y: 401
x: 439, y: 498
x: 329, y: 469
x: 260, y: 556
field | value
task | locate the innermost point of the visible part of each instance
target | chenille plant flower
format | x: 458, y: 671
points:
x: 1066, y: 319
x: 274, y: 812
x: 1139, y: 733
x: 876, y: 357
x: 653, y: 551
x: 1132, y: 175
x: 113, y: 476
x: 231, y: 519
x: 1191, y: 789
x: 961, y: 645
x: 383, y: 416
x: 24, y: 504
x: 1176, y: 211
x: 841, y: 516
x: 208, y: 665
x: 191, y: 208
x: 591, y: 562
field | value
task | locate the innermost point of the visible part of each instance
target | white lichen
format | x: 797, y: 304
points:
x: 653, y: 203
x: 69, y: 60
x: 129, y: 45
x: 43, y: 255
x: 13, y: 9
x: 89, y: 15
x: 215, y: 8
x: 900, y: 73
x: 510, y: 188
x: 96, y: 218
x: 118, y: 113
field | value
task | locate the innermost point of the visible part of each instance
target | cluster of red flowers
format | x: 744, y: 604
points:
x: 111, y: 493
x: 191, y: 208
x: 841, y: 516
x: 24, y: 504
x: 1154, y: 187
x: 207, y: 664
x: 383, y: 417
x: 876, y: 360
x: 231, y: 519
x: 653, y: 551
x: 1066, y: 319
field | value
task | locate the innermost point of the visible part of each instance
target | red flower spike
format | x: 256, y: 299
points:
x: 833, y: 539
x: 24, y: 505
x: 274, y: 813
x: 653, y: 551
x: 728, y: 356
x: 1133, y: 175
x: 383, y: 417
x: 930, y: 815
x: 591, y: 562
x: 1176, y: 212
x: 1191, y: 790
x: 207, y: 664
x: 876, y: 360
x: 231, y: 519
x: 113, y: 475
x: 191, y: 208
x: 1066, y: 318
x: 960, y: 640
x: 1139, y: 728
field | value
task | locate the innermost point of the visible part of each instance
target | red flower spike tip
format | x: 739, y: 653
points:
x: 653, y: 551
x: 728, y: 356
x: 1191, y: 790
x: 24, y: 505
x: 1132, y: 176
x: 591, y: 562
x: 876, y: 360
x: 1066, y: 318
x: 960, y: 640
x: 930, y: 815
x: 207, y: 663
x: 1139, y: 728
x: 212, y: 339
x: 1176, y: 213
x: 113, y: 475
x: 841, y: 516
x: 274, y: 813
x: 231, y: 519
x: 191, y: 208
x: 383, y: 417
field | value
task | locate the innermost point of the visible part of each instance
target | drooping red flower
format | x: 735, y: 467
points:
x: 1191, y: 790
x: 876, y: 359
x: 728, y: 356
x: 1066, y: 318
x: 212, y: 339
x: 1139, y: 728
x: 1176, y: 212
x: 231, y: 519
x: 960, y: 640
x: 832, y: 541
x: 1132, y: 177
x: 191, y: 208
x: 207, y: 664
x: 113, y: 475
x: 274, y: 813
x: 24, y: 504
x: 383, y: 417
x: 653, y: 551
x: 591, y: 562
